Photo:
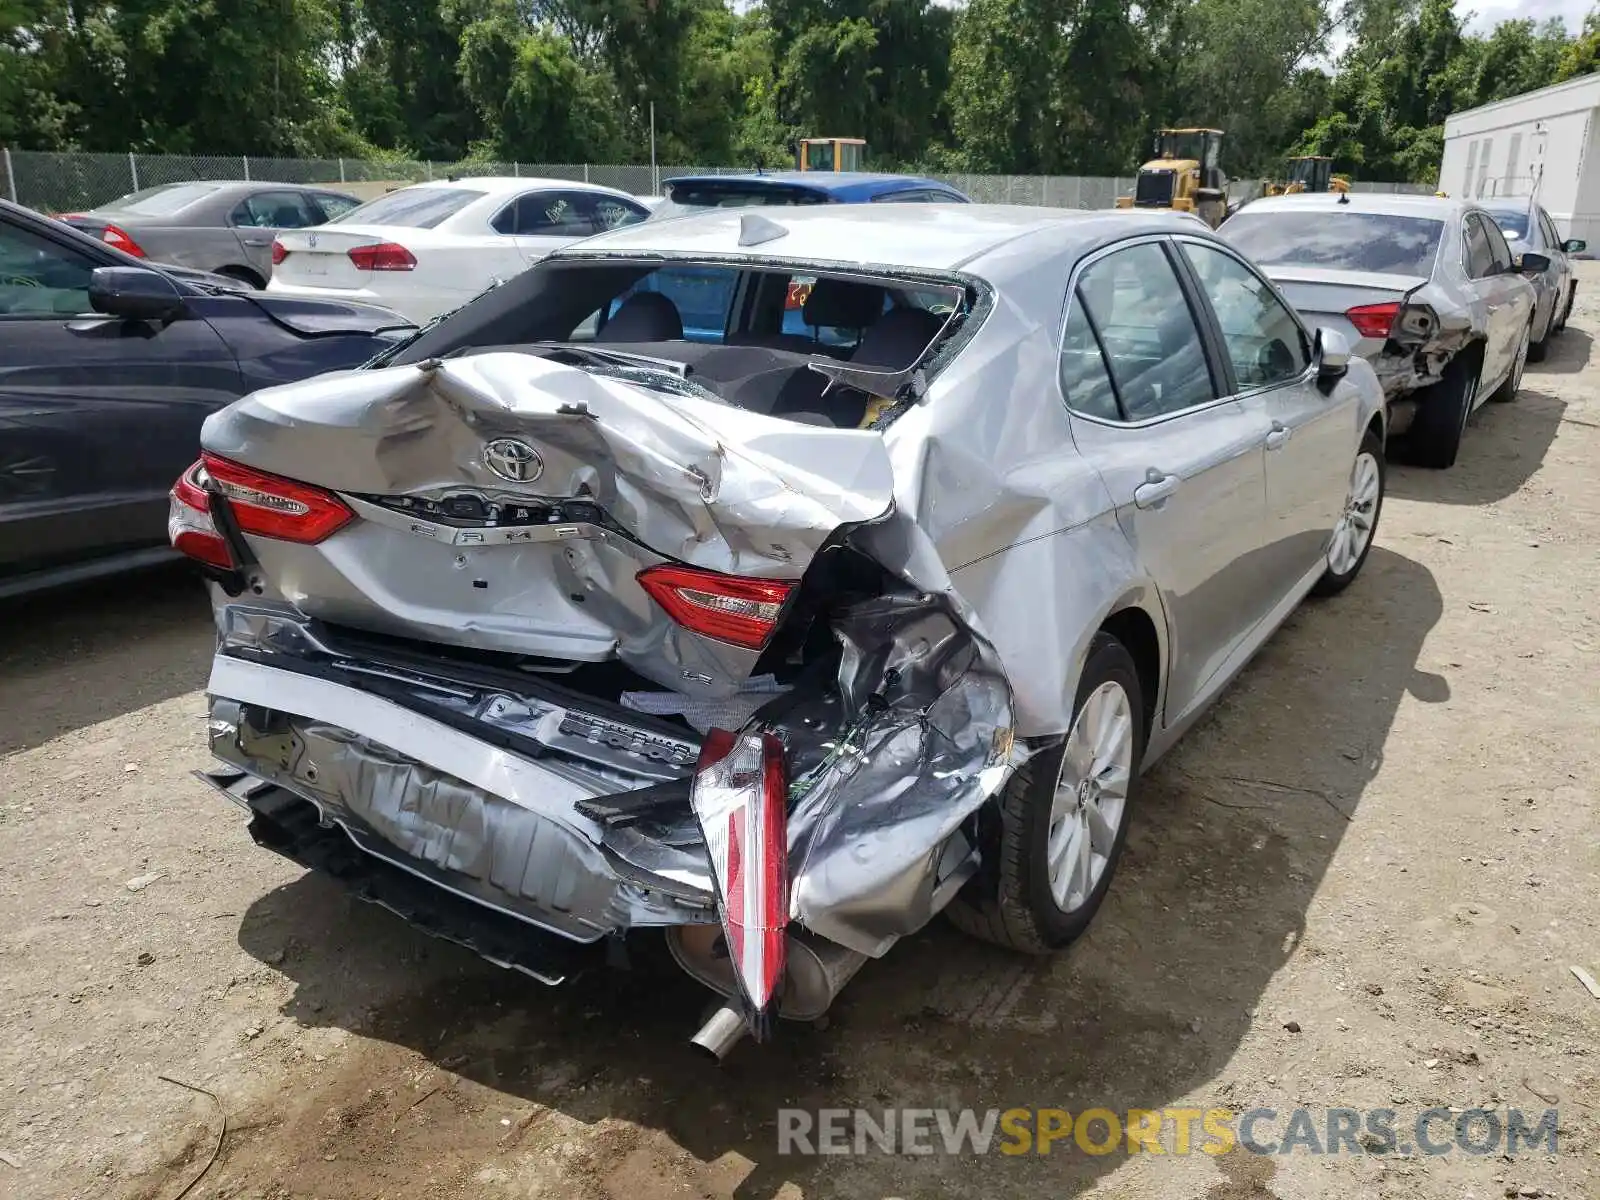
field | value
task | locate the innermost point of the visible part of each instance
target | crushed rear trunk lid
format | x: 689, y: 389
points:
x: 508, y: 502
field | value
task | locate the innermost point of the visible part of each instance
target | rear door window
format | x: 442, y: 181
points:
x: 1499, y: 252
x: 554, y: 214
x: 1552, y: 239
x: 334, y: 205
x: 1358, y: 241
x: 1150, y: 338
x: 1479, y: 256
x: 1085, y: 379
x: 276, y: 210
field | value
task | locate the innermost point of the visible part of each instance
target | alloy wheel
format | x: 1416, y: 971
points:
x: 1091, y: 796
x: 1354, y: 530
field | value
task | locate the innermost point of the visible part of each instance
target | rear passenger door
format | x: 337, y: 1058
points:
x: 1311, y: 437
x: 257, y: 220
x: 1183, y: 462
x: 1494, y: 291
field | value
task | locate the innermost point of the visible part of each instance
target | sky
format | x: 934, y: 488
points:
x: 1491, y: 12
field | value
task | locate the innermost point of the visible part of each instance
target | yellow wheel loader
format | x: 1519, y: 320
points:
x: 1185, y: 176
x: 1309, y: 173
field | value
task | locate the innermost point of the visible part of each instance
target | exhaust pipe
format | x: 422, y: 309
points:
x: 721, y: 1033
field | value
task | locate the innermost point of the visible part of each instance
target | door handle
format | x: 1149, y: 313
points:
x: 1155, y: 489
x: 257, y: 241
x: 1279, y: 437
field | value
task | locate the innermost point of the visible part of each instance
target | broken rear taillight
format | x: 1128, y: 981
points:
x: 1374, y: 320
x: 740, y: 797
x: 275, y: 507
x: 190, y: 528
x: 729, y: 608
x: 262, y: 504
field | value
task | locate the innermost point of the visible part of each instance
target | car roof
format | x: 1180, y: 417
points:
x: 500, y: 185
x: 841, y: 185
x: 1387, y: 203
x: 933, y: 237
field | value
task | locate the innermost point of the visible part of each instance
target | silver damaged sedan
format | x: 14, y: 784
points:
x: 775, y: 579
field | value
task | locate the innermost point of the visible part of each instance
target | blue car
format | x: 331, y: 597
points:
x: 704, y: 296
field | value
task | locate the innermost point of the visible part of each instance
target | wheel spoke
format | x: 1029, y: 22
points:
x: 1102, y: 830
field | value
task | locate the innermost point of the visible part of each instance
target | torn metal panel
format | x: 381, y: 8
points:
x: 884, y: 773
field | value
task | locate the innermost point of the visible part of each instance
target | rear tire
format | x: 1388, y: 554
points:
x: 1358, y: 524
x: 1013, y: 901
x: 1434, y: 438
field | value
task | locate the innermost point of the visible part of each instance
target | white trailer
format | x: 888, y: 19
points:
x: 1540, y: 143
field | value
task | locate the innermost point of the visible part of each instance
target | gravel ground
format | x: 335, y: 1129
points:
x: 1361, y: 882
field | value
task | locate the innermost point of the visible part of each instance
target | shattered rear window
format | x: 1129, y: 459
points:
x: 1348, y: 241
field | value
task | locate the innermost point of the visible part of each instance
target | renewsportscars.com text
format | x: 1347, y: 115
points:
x: 1177, y: 1131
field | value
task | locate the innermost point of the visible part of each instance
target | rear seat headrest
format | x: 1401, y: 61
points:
x: 842, y: 304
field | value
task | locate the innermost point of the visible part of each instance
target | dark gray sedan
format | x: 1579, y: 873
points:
x: 219, y: 226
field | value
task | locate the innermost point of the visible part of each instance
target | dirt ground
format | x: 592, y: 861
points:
x: 1386, y: 836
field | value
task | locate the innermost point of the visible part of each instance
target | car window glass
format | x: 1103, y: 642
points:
x: 419, y: 207
x: 555, y: 214
x: 1498, y: 250
x: 1512, y: 222
x: 613, y: 212
x: 1552, y: 239
x: 1353, y: 241
x: 335, y: 206
x: 1264, y: 342
x: 909, y: 196
x: 162, y: 200
x: 1149, y: 334
x: 1085, y: 379
x: 703, y: 297
x: 39, y: 277
x: 1480, y: 259
x: 276, y: 210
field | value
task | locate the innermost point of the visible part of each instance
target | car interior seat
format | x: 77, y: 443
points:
x: 644, y: 317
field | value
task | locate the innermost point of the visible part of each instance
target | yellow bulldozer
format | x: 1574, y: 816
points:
x: 1185, y: 176
x: 1308, y: 173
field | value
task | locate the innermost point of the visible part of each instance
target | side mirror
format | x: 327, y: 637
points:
x: 136, y: 293
x: 1574, y: 246
x: 1531, y: 263
x: 1332, y: 357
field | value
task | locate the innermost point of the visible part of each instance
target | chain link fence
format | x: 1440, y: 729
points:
x: 52, y: 182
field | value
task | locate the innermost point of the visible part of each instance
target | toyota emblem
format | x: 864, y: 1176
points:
x: 512, y: 460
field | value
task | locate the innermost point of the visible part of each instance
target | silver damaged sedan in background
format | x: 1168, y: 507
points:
x: 558, y: 624
x: 1424, y: 287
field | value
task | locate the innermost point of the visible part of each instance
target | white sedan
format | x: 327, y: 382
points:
x: 429, y: 248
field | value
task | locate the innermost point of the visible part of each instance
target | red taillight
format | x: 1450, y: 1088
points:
x: 118, y: 238
x: 274, y: 507
x: 278, y: 252
x: 189, y: 526
x: 1374, y: 320
x: 740, y: 797
x: 730, y: 608
x: 385, y: 256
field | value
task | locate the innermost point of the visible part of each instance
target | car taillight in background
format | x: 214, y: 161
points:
x: 384, y: 256
x: 262, y: 504
x: 119, y: 239
x: 740, y: 798
x: 278, y: 252
x: 729, y: 608
x: 1374, y: 320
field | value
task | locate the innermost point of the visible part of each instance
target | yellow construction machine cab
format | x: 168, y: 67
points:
x: 830, y: 154
x: 1309, y: 173
x: 1186, y: 176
